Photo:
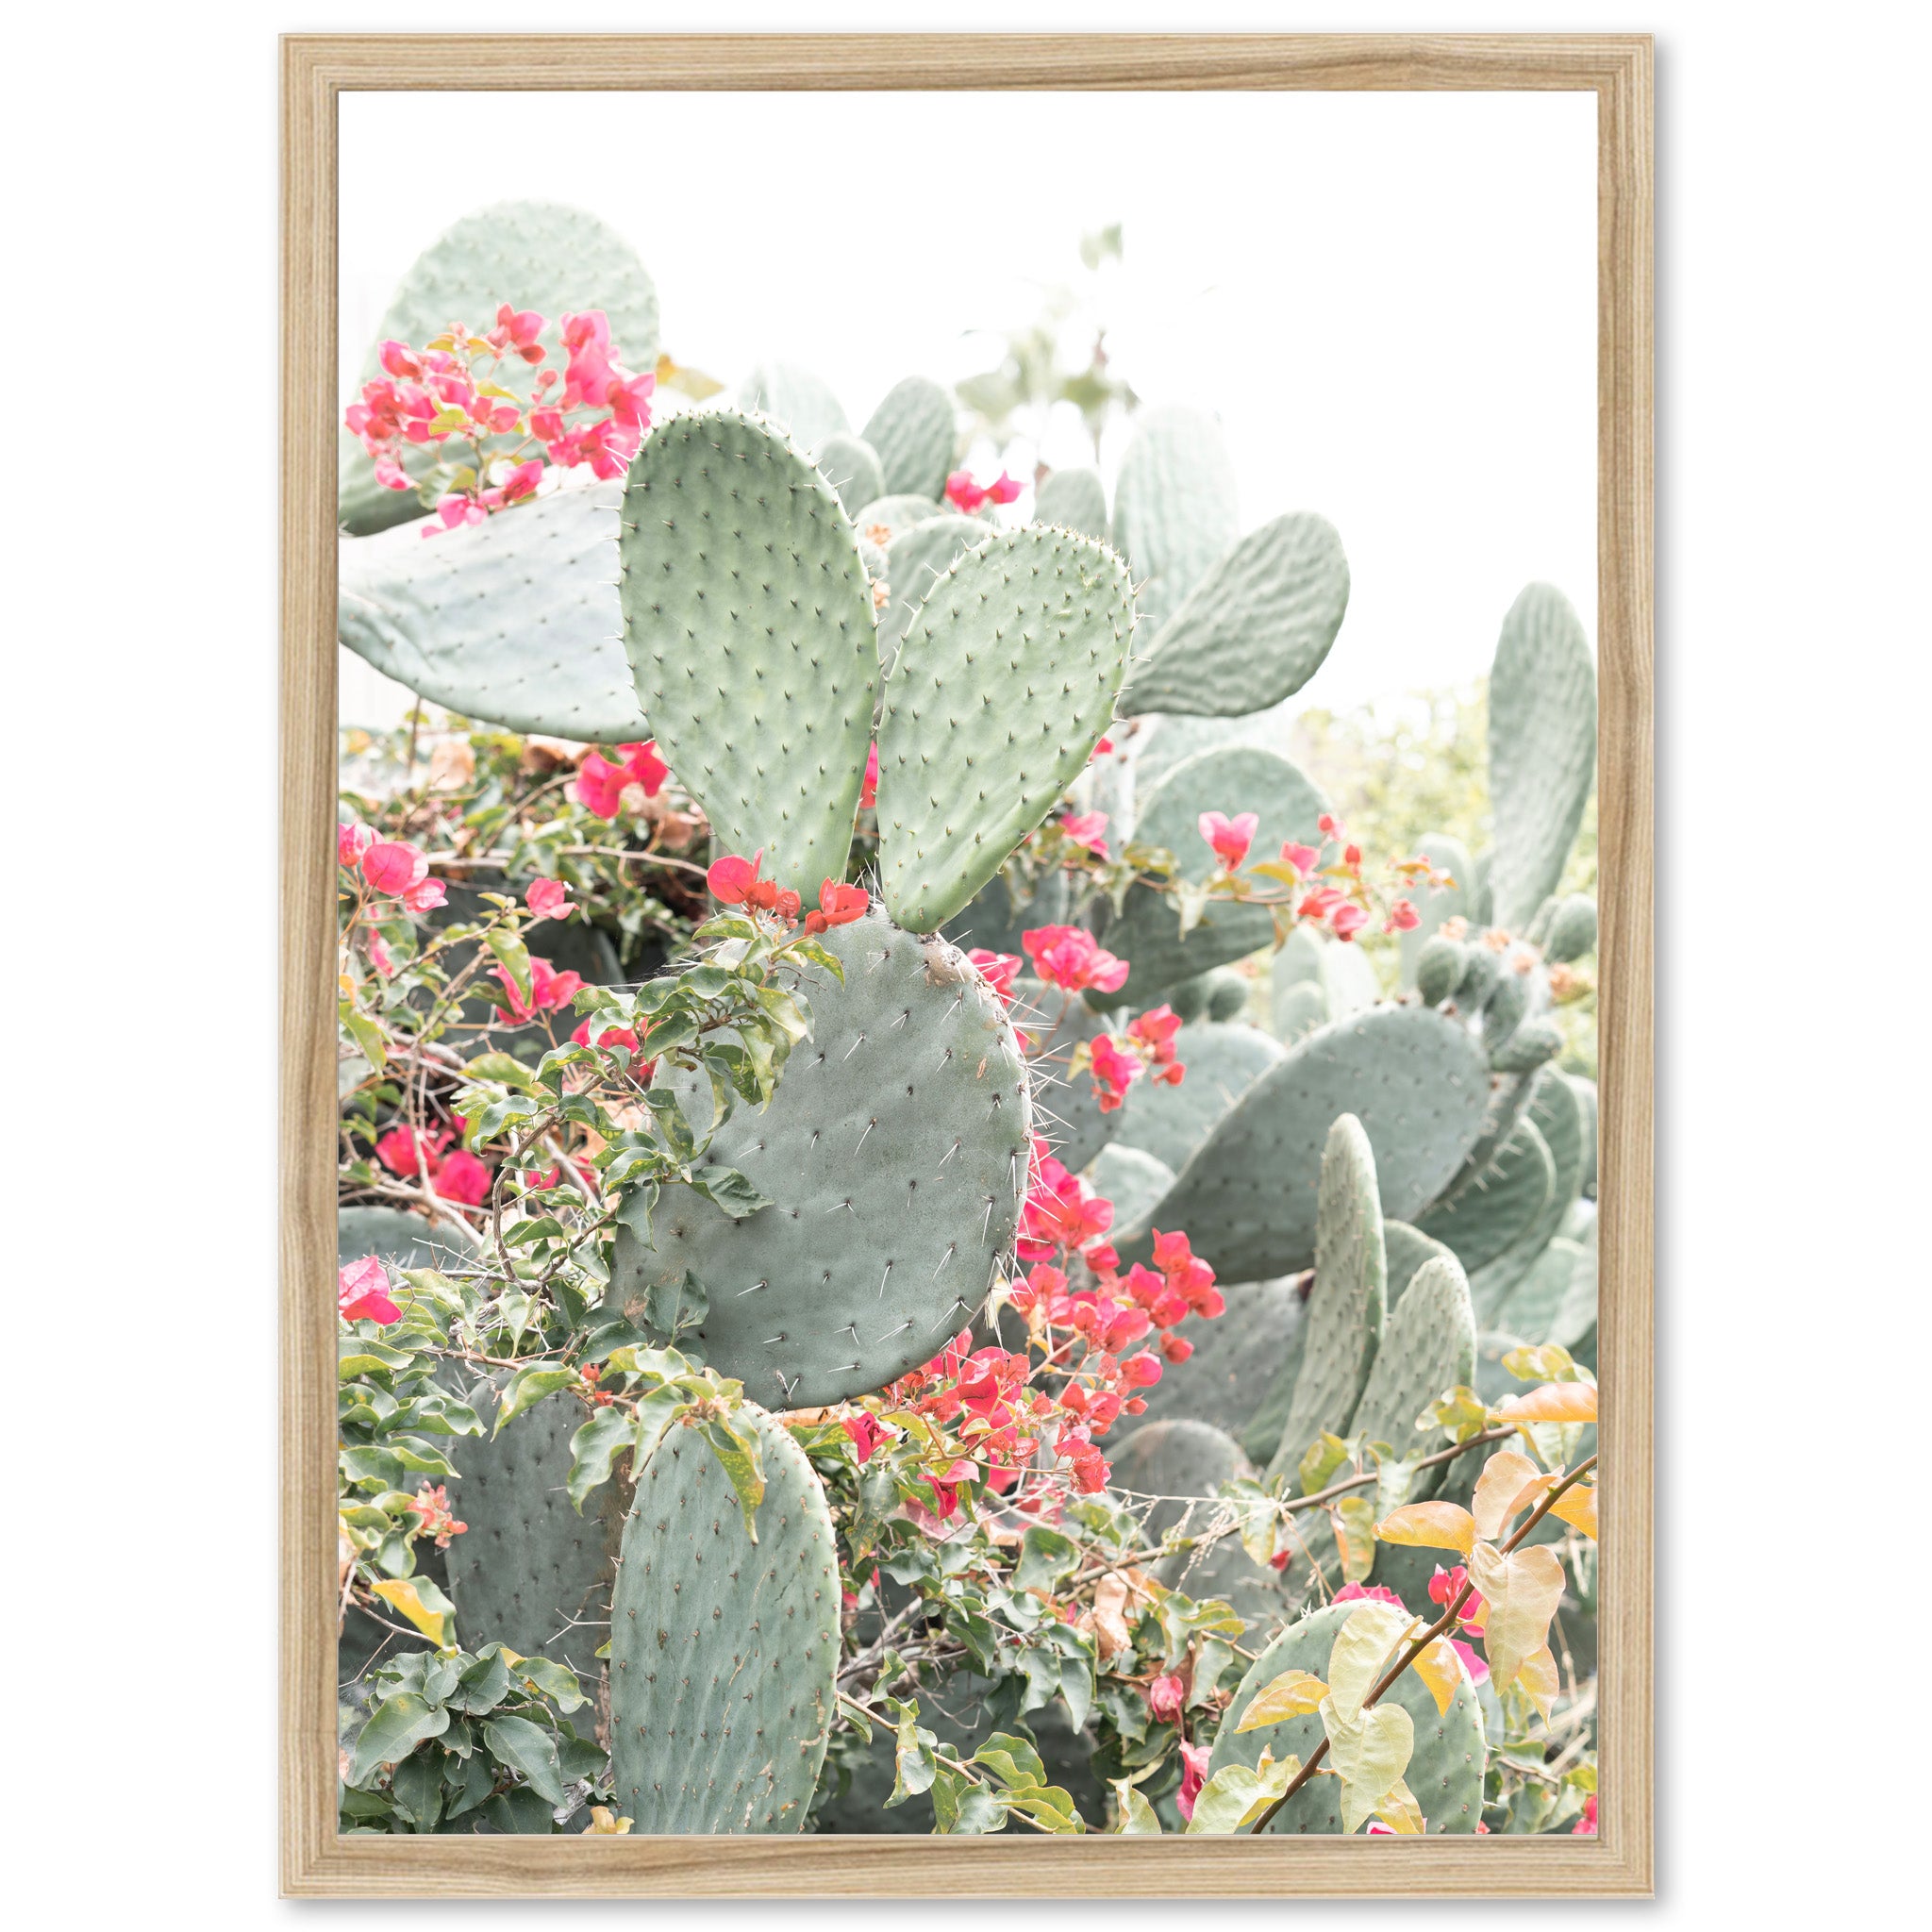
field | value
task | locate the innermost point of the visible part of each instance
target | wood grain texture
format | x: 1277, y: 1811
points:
x: 314, y: 1861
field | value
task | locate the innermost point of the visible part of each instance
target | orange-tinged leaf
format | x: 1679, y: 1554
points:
x: 1539, y: 1677
x: 1522, y: 1591
x: 1577, y: 1507
x: 1440, y: 1670
x: 420, y: 1601
x: 1400, y: 1812
x: 1497, y: 1491
x: 1353, y: 1520
x: 1432, y: 1525
x: 1555, y: 1402
x: 1295, y: 1693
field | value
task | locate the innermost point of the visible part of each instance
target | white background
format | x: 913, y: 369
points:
x: 139, y: 629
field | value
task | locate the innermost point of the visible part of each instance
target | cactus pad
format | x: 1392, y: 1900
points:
x: 723, y: 1652
x: 1435, y: 908
x: 1316, y: 978
x: 1572, y: 930
x: 514, y: 620
x: 749, y: 624
x: 1174, y: 509
x: 1135, y: 1182
x: 892, y: 1151
x: 403, y: 1241
x: 1235, y: 1355
x: 1252, y: 630
x: 916, y: 559
x: 1223, y: 1062
x: 1005, y: 683
x: 1542, y: 749
x: 1075, y: 501
x: 851, y: 466
x: 1428, y: 1344
x: 1499, y: 1206
x: 913, y: 430
x: 797, y: 401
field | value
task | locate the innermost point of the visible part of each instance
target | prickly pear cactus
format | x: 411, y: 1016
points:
x: 1572, y: 930
x: 1557, y: 1113
x: 994, y: 919
x: 1235, y: 1355
x: 723, y: 1652
x: 1253, y: 629
x: 1428, y: 1344
x: 1542, y: 749
x: 1223, y: 1060
x: 530, y: 1571
x: 748, y: 621
x: 1346, y: 1305
x: 1075, y: 501
x: 403, y: 1241
x: 851, y: 466
x: 1486, y: 1219
x: 797, y: 401
x: 1005, y: 683
x: 1445, y: 1776
x: 1133, y: 1181
x: 1407, y: 1248
x: 1173, y: 511
x: 1247, y: 1198
x: 1314, y: 980
x: 912, y: 429
x: 916, y: 559
x: 514, y: 620
x: 893, y: 1152
x: 1065, y: 1110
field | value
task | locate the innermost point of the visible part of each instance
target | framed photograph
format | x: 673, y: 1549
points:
x: 967, y: 986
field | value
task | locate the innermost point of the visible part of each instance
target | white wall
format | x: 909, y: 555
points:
x: 1791, y: 689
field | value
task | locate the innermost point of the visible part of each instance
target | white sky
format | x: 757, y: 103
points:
x: 1389, y: 298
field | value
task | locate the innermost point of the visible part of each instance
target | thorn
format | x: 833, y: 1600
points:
x: 853, y: 1048
x: 944, y: 1258
x: 869, y: 1126
x: 753, y: 1289
x: 949, y: 1153
x: 890, y: 1266
x: 988, y: 1222
x: 899, y: 1330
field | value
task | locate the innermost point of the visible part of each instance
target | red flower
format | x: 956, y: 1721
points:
x: 1165, y: 1696
x: 1085, y: 829
x: 1154, y: 1029
x: 1444, y: 1586
x: 837, y: 905
x: 1331, y: 825
x: 362, y: 1293
x: 398, y: 1150
x: 644, y: 767
x: 546, y: 899
x: 462, y: 1178
x: 1176, y: 1348
x: 1348, y: 921
x: 518, y: 329
x: 867, y: 1432
x: 1062, y: 1211
x: 1403, y: 917
x: 1140, y: 1371
x: 1106, y: 745
x: 1586, y: 1825
x: 963, y: 493
x: 999, y: 970
x: 392, y: 866
x: 869, y: 789
x: 1230, y: 838
x: 432, y: 1508
x: 1004, y: 490
x: 352, y: 841
x: 1302, y: 858
x: 599, y: 785
x: 550, y: 990
x: 1477, y: 1667
x: 1351, y: 1592
x: 1193, y: 1776
x: 731, y: 877
x: 1068, y: 956
x: 1112, y: 1072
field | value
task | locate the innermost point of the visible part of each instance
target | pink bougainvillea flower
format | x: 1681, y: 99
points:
x: 391, y: 474
x: 362, y: 1293
x: 519, y: 328
x: 1069, y: 958
x: 1140, y: 1371
x: 1302, y: 858
x: 731, y: 877
x: 1586, y: 1825
x: 1193, y: 1776
x: 1346, y: 921
x: 999, y: 970
x: 1472, y: 1660
x: 453, y: 510
x: 1085, y: 828
x: 644, y: 767
x: 399, y: 359
x: 963, y: 493
x: 869, y: 786
x: 1113, y: 1072
x: 1375, y: 1593
x: 1154, y: 1030
x: 599, y: 785
x: 867, y: 1432
x: 628, y: 398
x: 1061, y: 1210
x: 1377, y: 1829
x: 550, y: 990
x: 378, y: 955
x: 837, y: 905
x: 548, y: 899
x: 1164, y: 1698
x: 392, y: 866
x: 432, y: 1505
x: 1329, y: 824
x: 546, y: 420
x: 352, y: 841
x: 462, y: 1178
x: 522, y: 481
x: 1403, y: 917
x: 1320, y: 903
x: 1176, y: 1348
x: 1106, y: 745
x: 588, y: 377
x: 1004, y: 490
x: 1444, y: 1586
x: 426, y: 895
x: 398, y: 1149
x: 1230, y: 838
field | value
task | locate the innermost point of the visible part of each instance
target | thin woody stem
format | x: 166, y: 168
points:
x: 1442, y: 1625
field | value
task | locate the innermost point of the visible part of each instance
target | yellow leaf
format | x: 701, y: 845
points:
x: 1441, y: 1669
x: 1496, y: 1490
x: 1432, y: 1525
x: 1555, y: 1402
x: 420, y: 1601
x: 1295, y: 1693
x: 1277, y: 869
x: 1539, y: 1676
x: 1361, y: 1648
x: 1400, y: 1812
x: 1522, y: 1591
x: 1353, y: 1520
x: 604, y: 1825
x: 1369, y: 1753
x: 1577, y: 1507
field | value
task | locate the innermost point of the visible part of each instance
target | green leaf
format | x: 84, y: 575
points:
x: 1045, y: 1557
x: 516, y: 1741
x: 1136, y: 1814
x: 418, y: 1600
x: 503, y: 1068
x: 1011, y: 1759
x: 529, y: 1387
x: 731, y: 1191
x: 961, y: 1807
x: 674, y: 1307
x: 914, y: 1766
x: 537, y: 1675
x: 483, y: 1686
x: 416, y: 1790
x: 592, y: 1450
x: 1325, y: 1454
x: 365, y: 1032
x: 515, y: 959
x: 737, y: 1451
x: 400, y: 1724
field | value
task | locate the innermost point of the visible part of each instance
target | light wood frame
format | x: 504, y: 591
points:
x: 314, y: 1860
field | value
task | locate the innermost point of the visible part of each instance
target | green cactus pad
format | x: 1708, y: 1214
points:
x: 723, y: 1652
x: 851, y: 466
x: 1235, y: 1355
x: 1434, y: 909
x: 1186, y: 1462
x: 749, y: 624
x: 1428, y: 1345
x: 1531, y: 1309
x: 1252, y: 630
x: 1173, y: 507
x: 1533, y: 1044
x: 1557, y: 1110
x: 1227, y: 995
x: 1575, y: 1322
x: 1586, y: 1091
x: 1005, y: 683
x: 1481, y: 899
x: 514, y: 620
x: 895, y: 515
x: 893, y: 1152
x: 1231, y: 779
x: 403, y: 1241
x: 1542, y: 748
x: 1316, y: 978
x: 797, y: 401
x: 1346, y: 1305
x: 995, y: 919
x: 1571, y: 930
x: 1445, y: 1776
x: 1438, y: 968
x: 1278, y: 1370
x: 530, y: 1571
x: 916, y: 559
x: 1247, y: 1198
x: 537, y: 254
x: 1502, y: 1204
x: 1065, y: 1110
x: 913, y: 431
x: 1133, y: 1181
x: 1075, y: 501
x: 1223, y: 1060
x: 1407, y: 1248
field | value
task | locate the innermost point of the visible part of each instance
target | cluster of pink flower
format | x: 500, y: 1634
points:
x: 425, y: 396
x: 1339, y: 907
x: 600, y: 785
x: 362, y: 1293
x: 457, y: 1176
x: 1117, y: 1060
x: 966, y: 496
x: 735, y: 881
x: 1086, y: 828
x: 1069, y: 958
x: 432, y: 1508
x: 389, y: 867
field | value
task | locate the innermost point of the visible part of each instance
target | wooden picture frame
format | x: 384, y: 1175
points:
x: 315, y: 1861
